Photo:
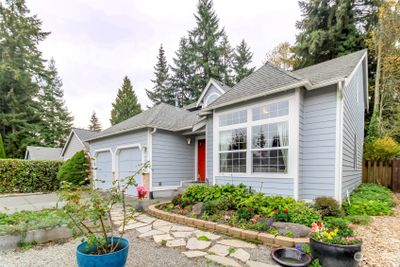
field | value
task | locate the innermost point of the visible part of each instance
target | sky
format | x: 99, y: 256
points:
x: 95, y: 43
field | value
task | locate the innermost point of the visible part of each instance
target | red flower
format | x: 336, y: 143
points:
x: 249, y: 209
x: 274, y: 211
x: 178, y: 196
x: 286, y: 210
x: 179, y: 203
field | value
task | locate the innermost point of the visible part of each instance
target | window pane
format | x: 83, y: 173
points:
x: 233, y: 118
x: 232, y: 162
x: 271, y: 111
x: 274, y: 161
x: 270, y: 135
x: 233, y: 139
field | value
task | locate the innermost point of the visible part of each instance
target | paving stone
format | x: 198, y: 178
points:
x: 182, y: 234
x: 259, y: 264
x: 223, y: 260
x: 160, y: 223
x: 241, y: 255
x: 236, y: 243
x: 151, y: 233
x: 194, y: 244
x: 164, y: 229
x: 145, y: 218
x: 159, y: 238
x: 134, y: 225
x: 219, y: 250
x: 209, y: 235
x: 176, y: 243
x: 144, y: 229
x: 194, y: 253
x: 181, y: 228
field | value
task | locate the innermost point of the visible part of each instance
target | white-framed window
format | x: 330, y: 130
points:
x: 254, y: 140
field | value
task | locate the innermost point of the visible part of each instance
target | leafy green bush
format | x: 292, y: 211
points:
x: 28, y: 176
x: 245, y: 214
x: 203, y: 193
x: 328, y: 206
x: 2, y: 150
x: 75, y: 170
x: 385, y: 148
x: 369, y: 199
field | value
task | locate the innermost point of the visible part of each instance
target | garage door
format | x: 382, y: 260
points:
x: 129, y: 161
x: 104, y: 170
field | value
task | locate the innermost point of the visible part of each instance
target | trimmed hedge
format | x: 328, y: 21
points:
x: 28, y: 176
x: 75, y: 170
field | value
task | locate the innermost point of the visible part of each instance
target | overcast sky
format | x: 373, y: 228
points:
x: 95, y: 43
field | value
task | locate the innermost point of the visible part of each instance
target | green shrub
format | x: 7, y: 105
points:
x: 203, y: 193
x: 369, y: 199
x: 211, y: 207
x: 28, y: 176
x: 328, y: 206
x: 304, y: 214
x: 2, y: 150
x: 75, y: 170
x: 385, y: 148
x: 244, y: 214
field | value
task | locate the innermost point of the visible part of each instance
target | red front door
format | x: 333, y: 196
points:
x: 201, y: 160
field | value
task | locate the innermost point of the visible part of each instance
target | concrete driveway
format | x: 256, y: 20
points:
x: 13, y: 203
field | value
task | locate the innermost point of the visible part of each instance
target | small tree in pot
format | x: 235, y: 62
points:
x: 90, y: 213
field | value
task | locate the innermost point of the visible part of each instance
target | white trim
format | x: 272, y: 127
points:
x: 339, y: 143
x: 118, y: 150
x: 199, y: 125
x: 215, y: 147
x: 196, y: 150
x: 66, y: 143
x: 295, y: 150
x: 205, y: 102
x: 210, y: 82
x: 69, y: 140
x: 364, y: 59
x: 112, y: 164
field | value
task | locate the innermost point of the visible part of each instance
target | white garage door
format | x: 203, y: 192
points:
x: 103, y: 170
x: 129, y: 161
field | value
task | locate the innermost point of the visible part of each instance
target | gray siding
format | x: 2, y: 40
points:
x: 211, y: 90
x: 209, y: 153
x: 317, y: 143
x: 173, y: 159
x: 74, y: 146
x: 353, y: 124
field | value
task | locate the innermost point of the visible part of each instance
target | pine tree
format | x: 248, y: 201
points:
x: 126, y: 104
x: 162, y: 91
x: 227, y: 76
x: 241, y: 59
x: 21, y: 72
x: 94, y: 124
x: 2, y: 151
x: 328, y: 29
x: 206, y: 50
x: 56, y: 121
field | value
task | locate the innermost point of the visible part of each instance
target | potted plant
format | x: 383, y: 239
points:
x: 91, y: 216
x: 335, y: 246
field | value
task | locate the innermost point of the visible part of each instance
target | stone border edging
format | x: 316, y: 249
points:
x: 264, y: 238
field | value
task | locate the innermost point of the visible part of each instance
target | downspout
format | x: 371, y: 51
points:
x: 339, y: 143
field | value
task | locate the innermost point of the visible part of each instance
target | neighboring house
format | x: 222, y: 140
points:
x: 42, y: 153
x: 76, y: 143
x: 296, y: 134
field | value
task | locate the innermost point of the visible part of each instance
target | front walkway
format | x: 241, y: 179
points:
x: 31, y: 202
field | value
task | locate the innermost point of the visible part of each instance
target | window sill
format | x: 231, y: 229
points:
x: 255, y: 175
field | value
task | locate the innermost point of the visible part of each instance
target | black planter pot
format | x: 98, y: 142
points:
x: 331, y: 255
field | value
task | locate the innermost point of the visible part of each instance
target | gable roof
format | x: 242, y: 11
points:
x: 161, y: 116
x: 223, y: 88
x: 82, y: 135
x: 270, y: 79
x: 42, y: 153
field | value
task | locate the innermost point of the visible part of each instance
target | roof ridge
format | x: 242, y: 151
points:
x: 289, y: 73
x: 82, y: 129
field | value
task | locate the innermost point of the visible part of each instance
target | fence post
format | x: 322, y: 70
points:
x: 396, y: 176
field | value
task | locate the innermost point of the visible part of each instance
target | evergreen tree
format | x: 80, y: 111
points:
x: 56, y: 121
x: 242, y: 58
x: 227, y: 62
x: 182, y: 77
x: 2, y: 151
x: 329, y: 29
x: 206, y: 51
x: 21, y: 72
x: 126, y: 104
x: 162, y: 91
x: 94, y: 124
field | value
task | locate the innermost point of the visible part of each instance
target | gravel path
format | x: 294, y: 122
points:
x: 381, y: 240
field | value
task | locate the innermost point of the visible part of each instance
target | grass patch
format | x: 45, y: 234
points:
x: 26, y: 245
x: 23, y: 221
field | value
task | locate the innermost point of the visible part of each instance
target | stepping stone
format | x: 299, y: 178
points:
x: 164, y: 229
x: 151, y: 233
x: 160, y: 223
x: 236, y: 243
x: 259, y: 264
x: 220, y: 250
x: 176, y: 243
x: 207, y: 234
x: 180, y: 228
x: 144, y: 229
x: 145, y: 218
x: 159, y: 238
x: 181, y: 234
x: 134, y: 225
x: 194, y: 253
x: 241, y: 255
x: 223, y: 260
x: 194, y: 244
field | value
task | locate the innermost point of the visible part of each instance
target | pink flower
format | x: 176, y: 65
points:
x: 141, y: 191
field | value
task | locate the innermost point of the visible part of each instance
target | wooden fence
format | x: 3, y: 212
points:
x: 386, y: 173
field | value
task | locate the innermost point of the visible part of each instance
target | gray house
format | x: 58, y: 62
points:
x: 76, y: 142
x: 42, y: 153
x: 297, y: 134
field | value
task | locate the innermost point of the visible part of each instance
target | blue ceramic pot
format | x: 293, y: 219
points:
x: 115, y: 259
